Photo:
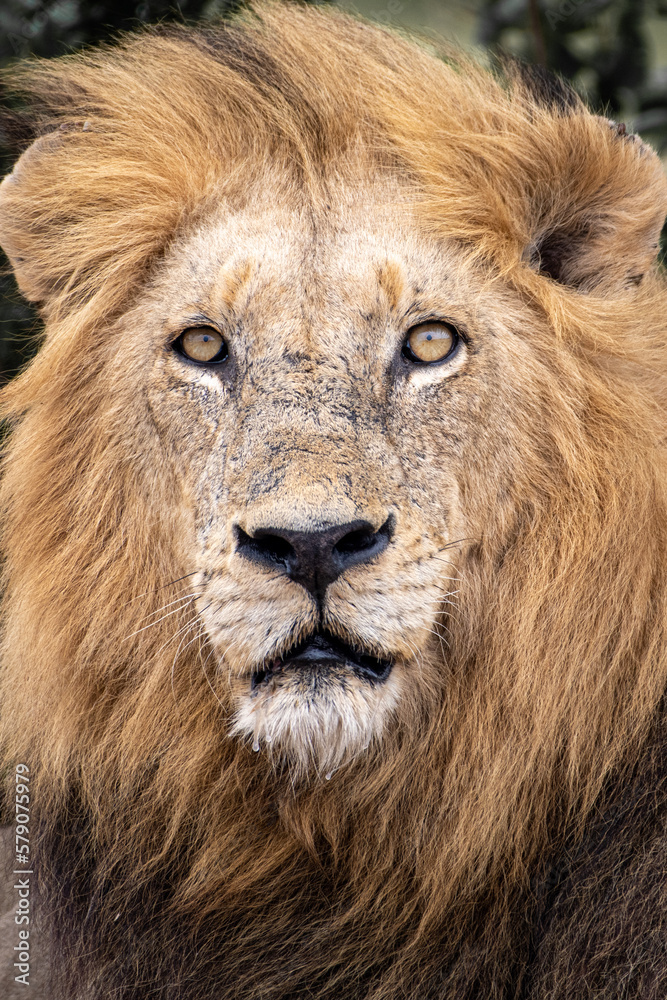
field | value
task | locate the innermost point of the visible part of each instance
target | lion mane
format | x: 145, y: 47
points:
x: 505, y: 836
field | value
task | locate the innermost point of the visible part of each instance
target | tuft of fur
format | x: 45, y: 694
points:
x: 506, y: 838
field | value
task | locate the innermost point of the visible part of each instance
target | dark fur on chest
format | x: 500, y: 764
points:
x: 590, y: 924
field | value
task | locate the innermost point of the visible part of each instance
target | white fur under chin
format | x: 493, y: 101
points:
x: 314, y: 723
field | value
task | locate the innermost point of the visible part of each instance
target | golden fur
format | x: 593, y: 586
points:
x: 527, y: 576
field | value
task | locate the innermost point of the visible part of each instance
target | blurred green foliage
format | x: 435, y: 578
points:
x: 51, y: 28
x: 603, y: 46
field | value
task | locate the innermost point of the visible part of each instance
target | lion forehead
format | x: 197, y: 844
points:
x: 275, y: 266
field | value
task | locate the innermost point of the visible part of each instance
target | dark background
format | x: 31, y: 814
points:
x: 613, y: 51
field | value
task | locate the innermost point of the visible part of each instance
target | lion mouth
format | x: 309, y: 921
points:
x: 323, y: 652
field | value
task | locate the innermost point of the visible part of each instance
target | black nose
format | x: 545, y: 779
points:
x: 315, y: 558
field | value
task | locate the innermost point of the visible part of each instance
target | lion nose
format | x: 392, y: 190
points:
x: 315, y: 558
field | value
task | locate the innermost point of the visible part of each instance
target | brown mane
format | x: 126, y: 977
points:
x: 418, y: 864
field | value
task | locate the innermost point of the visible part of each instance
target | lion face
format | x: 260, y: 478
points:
x: 323, y: 461
x: 250, y: 321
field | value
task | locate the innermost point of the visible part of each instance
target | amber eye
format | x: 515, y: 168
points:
x: 430, y: 342
x: 202, y: 343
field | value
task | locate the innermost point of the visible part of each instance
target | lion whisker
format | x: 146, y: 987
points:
x: 213, y: 692
x: 189, y: 624
x: 459, y: 541
x: 156, y: 590
x: 415, y: 652
x: 184, y: 604
x: 441, y: 639
x: 179, y: 600
x: 194, y: 639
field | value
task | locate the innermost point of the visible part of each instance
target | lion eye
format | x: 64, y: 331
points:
x: 202, y: 343
x: 430, y: 342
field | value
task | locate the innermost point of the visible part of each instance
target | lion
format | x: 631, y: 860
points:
x: 334, y: 518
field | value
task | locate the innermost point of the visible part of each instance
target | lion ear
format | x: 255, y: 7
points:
x: 20, y: 225
x: 599, y: 228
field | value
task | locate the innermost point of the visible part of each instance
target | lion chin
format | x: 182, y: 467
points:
x: 318, y: 704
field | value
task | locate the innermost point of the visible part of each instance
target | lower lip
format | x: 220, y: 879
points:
x: 315, y: 658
